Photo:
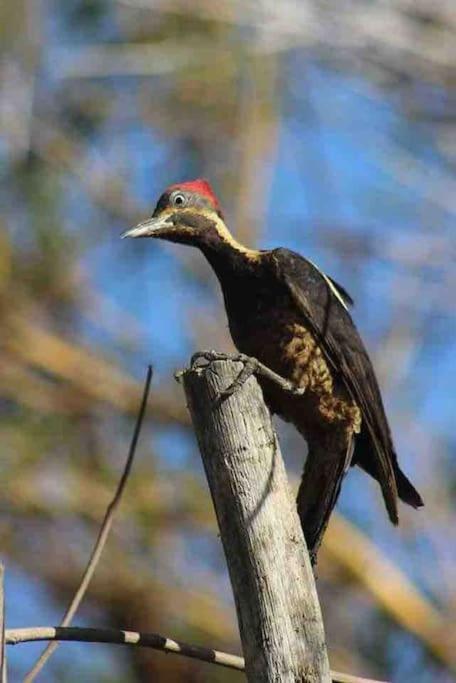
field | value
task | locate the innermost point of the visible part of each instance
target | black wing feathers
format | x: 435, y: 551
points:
x: 344, y: 350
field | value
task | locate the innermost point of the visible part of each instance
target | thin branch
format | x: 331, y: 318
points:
x: 14, y: 636
x: 102, y: 535
x: 3, y: 672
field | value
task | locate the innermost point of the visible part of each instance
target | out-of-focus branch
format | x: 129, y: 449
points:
x: 166, y: 502
x: 390, y: 588
x: 394, y: 34
x: 258, y: 135
x: 18, y: 74
x: 63, y: 151
x: 95, y: 376
x: 149, y: 640
x: 20, y: 384
x: 16, y: 104
x: 123, y: 583
x: 433, y: 184
x: 102, y: 536
x: 98, y: 61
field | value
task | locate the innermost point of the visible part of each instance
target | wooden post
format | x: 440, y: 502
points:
x: 277, y: 605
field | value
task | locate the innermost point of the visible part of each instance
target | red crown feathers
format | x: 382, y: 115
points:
x: 199, y: 186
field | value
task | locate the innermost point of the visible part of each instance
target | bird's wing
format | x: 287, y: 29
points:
x: 335, y: 331
x: 337, y: 289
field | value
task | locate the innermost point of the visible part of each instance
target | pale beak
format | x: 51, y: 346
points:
x: 149, y: 227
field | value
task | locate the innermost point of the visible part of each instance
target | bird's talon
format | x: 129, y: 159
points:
x: 198, y: 357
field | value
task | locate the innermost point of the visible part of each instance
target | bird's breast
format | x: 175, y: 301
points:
x: 268, y: 327
x: 287, y: 347
x: 273, y: 331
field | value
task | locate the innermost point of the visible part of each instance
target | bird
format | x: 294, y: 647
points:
x: 294, y: 319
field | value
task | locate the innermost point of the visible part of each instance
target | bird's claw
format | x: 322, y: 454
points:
x: 252, y: 366
x: 208, y: 357
x: 249, y: 369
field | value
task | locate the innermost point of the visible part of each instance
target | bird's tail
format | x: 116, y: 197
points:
x: 319, y: 490
x: 405, y: 489
x: 364, y: 457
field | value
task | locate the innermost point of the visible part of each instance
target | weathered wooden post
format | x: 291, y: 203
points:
x: 277, y: 605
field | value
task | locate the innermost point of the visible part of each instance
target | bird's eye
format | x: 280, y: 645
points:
x: 179, y: 199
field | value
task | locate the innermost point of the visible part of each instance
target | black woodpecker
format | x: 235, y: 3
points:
x: 294, y: 319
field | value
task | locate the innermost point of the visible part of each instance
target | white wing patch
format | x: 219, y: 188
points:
x: 331, y: 286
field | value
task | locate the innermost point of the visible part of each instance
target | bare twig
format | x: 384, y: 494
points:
x: 154, y: 641
x: 102, y: 536
x: 3, y: 674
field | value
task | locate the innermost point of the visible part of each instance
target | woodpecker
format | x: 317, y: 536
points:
x: 294, y: 319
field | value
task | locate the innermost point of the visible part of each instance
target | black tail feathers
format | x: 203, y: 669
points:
x: 319, y: 490
x: 406, y: 491
x: 364, y: 457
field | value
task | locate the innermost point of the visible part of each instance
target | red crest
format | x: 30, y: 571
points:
x: 199, y: 186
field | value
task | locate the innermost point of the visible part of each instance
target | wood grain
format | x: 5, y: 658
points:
x: 279, y: 616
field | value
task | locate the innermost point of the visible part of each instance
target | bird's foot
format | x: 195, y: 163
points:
x: 252, y: 366
x: 201, y: 358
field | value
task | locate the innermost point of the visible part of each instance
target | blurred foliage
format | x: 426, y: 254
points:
x: 102, y: 104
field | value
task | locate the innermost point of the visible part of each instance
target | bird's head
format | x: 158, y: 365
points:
x: 188, y: 213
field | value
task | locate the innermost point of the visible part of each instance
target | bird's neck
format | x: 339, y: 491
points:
x: 227, y: 256
x: 229, y: 260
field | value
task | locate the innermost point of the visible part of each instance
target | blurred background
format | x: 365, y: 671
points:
x: 326, y: 127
